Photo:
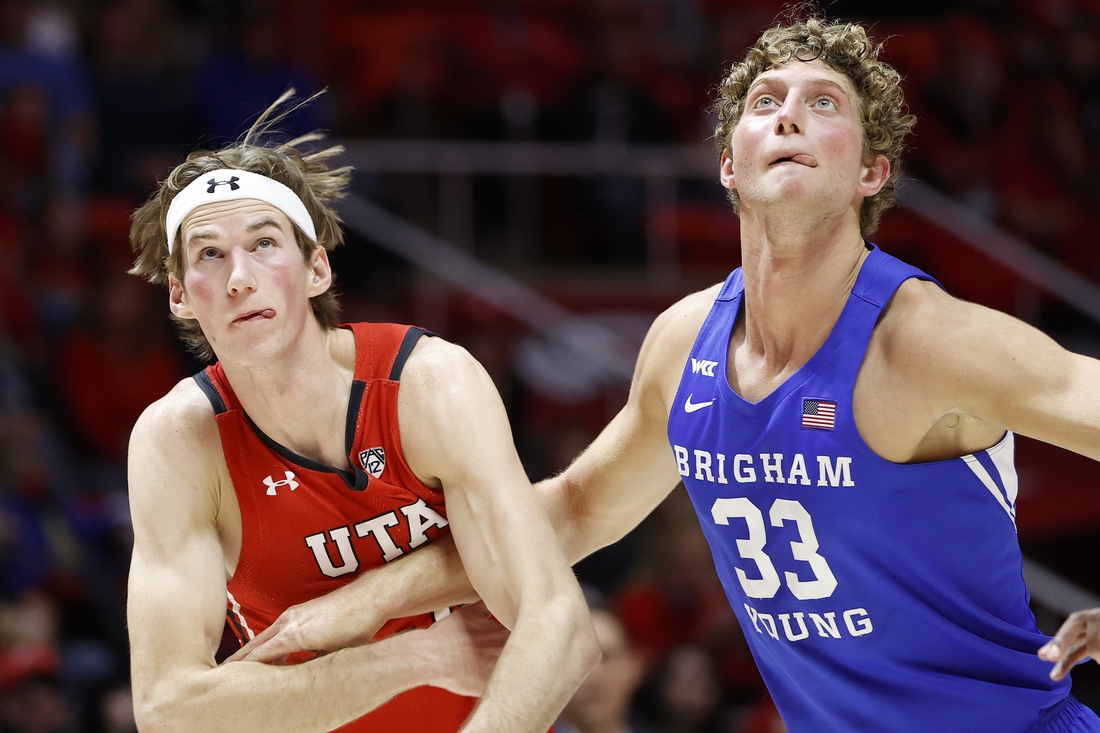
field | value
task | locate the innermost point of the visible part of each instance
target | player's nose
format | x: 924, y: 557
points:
x: 791, y: 117
x: 241, y: 277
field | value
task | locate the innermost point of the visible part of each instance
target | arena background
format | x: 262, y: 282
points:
x: 535, y: 180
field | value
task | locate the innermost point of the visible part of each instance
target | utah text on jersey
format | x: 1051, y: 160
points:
x: 418, y: 517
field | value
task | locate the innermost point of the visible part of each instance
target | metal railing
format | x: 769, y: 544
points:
x: 660, y: 167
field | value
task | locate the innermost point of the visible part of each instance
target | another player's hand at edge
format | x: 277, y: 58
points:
x: 1078, y: 638
x: 468, y: 643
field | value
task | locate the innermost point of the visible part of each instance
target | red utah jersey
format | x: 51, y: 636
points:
x: 309, y: 528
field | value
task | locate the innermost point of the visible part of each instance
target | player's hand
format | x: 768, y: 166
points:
x: 468, y: 643
x: 319, y: 625
x: 1078, y: 638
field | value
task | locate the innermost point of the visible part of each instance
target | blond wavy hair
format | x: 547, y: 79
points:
x: 846, y: 48
x: 305, y: 173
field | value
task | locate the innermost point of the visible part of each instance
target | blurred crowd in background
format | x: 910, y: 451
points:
x: 100, y: 99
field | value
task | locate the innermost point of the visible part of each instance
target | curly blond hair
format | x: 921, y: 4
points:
x: 846, y: 48
x: 307, y: 174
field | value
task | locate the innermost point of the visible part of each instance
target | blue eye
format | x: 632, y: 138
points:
x: 264, y: 244
x: 824, y: 103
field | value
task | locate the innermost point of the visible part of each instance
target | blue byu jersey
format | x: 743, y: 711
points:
x: 875, y: 596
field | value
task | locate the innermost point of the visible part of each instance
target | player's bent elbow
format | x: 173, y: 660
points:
x: 165, y: 707
x: 157, y: 712
x: 590, y: 651
x: 586, y: 647
x: 572, y: 623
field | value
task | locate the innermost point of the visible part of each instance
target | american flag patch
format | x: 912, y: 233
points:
x: 819, y: 414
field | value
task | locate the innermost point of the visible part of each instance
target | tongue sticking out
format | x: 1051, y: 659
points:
x: 267, y: 313
x: 804, y: 159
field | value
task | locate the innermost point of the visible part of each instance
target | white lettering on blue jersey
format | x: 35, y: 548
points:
x: 834, y: 471
x: 857, y: 622
x: 772, y: 463
x: 841, y: 475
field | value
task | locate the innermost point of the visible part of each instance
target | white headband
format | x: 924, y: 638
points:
x: 230, y: 185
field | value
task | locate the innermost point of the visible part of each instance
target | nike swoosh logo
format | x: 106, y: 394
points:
x: 689, y: 406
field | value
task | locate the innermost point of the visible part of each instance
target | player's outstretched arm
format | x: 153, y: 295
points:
x: 455, y: 433
x: 615, y: 484
x: 629, y: 468
x: 177, y: 602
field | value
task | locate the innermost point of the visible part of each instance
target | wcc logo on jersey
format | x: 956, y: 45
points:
x: 373, y: 460
x: 702, y: 366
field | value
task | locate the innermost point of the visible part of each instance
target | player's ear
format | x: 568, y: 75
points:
x: 874, y: 176
x: 177, y: 299
x: 725, y: 174
x: 320, y: 271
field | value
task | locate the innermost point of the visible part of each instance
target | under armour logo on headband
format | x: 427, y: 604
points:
x: 232, y: 183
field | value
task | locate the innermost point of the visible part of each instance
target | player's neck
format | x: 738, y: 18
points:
x: 796, y: 285
x: 300, y: 399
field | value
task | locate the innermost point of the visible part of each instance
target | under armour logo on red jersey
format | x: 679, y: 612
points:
x: 288, y: 481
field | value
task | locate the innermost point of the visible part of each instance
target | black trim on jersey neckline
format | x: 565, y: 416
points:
x: 355, y: 479
x: 355, y: 401
x: 211, y: 392
x: 411, y: 337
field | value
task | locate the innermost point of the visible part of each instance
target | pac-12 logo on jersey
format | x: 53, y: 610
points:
x: 702, y: 366
x: 271, y: 483
x: 373, y: 460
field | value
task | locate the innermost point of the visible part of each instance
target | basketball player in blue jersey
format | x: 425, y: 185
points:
x: 843, y: 426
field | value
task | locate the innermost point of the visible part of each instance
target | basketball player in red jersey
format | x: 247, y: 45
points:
x: 308, y: 454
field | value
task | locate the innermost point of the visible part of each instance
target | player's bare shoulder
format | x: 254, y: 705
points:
x: 444, y: 389
x: 917, y: 310
x: 436, y: 365
x: 669, y: 341
x: 953, y: 357
x: 926, y: 333
x: 175, y: 443
x: 184, y: 414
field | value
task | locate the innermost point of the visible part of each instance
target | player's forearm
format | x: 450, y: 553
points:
x: 430, y: 579
x: 547, y: 657
x: 582, y: 525
x: 433, y: 577
x: 319, y: 695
